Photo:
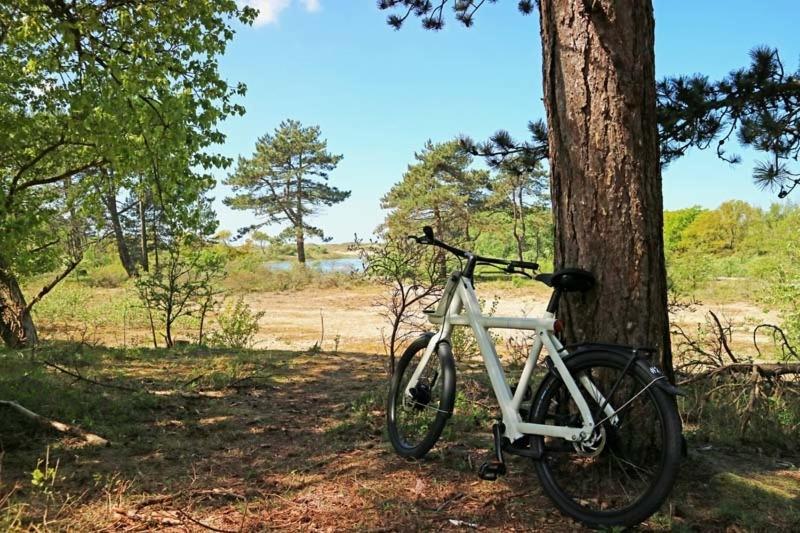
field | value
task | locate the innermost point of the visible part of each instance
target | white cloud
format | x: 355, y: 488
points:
x: 311, y: 5
x: 269, y: 10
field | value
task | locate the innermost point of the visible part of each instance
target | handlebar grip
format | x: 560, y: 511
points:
x: 525, y: 264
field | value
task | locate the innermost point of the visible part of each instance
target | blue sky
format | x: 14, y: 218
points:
x: 379, y: 94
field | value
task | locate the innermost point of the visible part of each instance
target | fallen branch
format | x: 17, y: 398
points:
x: 767, y: 370
x: 74, y: 431
x: 241, y: 383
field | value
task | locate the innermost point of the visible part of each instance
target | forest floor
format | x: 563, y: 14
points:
x: 291, y: 438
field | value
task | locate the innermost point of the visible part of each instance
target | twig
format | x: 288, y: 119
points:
x: 88, y: 380
x: 193, y: 380
x: 447, y: 502
x: 187, y: 516
x: 237, y: 383
x: 775, y: 330
x: 90, y: 438
x: 322, y: 329
x: 723, y: 339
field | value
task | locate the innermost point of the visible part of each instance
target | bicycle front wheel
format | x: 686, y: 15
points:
x: 625, y: 471
x: 417, y: 415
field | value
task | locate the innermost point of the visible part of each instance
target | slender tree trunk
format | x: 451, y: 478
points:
x: 599, y: 87
x: 298, y: 228
x: 301, y: 244
x: 519, y: 218
x: 16, y: 323
x: 155, y: 240
x: 143, y: 236
x: 441, y: 258
x: 122, y: 247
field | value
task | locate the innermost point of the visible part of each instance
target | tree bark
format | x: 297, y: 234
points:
x: 122, y: 247
x: 16, y: 323
x: 143, y: 236
x: 599, y: 88
x: 298, y: 228
x: 300, y: 241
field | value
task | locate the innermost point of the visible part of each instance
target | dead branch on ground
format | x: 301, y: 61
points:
x: 74, y: 431
x: 744, y: 382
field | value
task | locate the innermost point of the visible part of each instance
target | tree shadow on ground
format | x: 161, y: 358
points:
x: 253, y: 439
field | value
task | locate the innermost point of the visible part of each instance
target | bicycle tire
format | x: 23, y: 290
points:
x: 577, y: 481
x: 428, y: 418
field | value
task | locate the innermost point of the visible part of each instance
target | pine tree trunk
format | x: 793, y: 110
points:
x: 301, y: 245
x: 599, y: 87
x: 122, y: 247
x: 16, y: 323
x: 299, y: 229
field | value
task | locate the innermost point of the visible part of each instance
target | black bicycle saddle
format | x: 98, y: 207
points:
x: 569, y: 280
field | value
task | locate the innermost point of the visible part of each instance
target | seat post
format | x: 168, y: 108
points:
x: 552, y: 305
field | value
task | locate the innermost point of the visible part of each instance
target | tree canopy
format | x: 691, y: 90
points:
x: 89, y: 90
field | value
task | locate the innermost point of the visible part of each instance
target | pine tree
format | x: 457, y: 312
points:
x: 285, y: 181
x: 439, y: 190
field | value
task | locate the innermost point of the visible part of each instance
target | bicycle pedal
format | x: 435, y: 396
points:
x: 490, y: 470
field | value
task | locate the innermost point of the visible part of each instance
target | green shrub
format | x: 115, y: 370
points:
x: 109, y: 276
x: 238, y: 325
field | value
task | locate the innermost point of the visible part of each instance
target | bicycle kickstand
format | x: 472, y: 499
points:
x: 495, y: 467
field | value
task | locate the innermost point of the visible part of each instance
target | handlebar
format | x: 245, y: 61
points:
x: 429, y: 239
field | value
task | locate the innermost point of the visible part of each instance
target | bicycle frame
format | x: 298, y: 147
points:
x: 464, y: 310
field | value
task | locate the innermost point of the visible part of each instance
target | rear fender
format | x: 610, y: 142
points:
x: 642, y: 359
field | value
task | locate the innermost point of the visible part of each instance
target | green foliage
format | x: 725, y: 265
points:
x: 439, y: 190
x: 98, y: 97
x: 463, y: 340
x: 758, y: 103
x: 285, y: 181
x: 238, y: 325
x: 675, y: 222
x: 185, y: 283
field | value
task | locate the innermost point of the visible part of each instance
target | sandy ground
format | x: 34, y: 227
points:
x: 294, y: 320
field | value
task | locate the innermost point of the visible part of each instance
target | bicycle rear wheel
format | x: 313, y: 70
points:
x: 623, y: 474
x: 415, y: 418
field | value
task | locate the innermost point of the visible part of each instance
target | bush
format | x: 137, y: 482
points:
x: 107, y: 276
x: 238, y: 325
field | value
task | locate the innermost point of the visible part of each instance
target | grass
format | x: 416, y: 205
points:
x: 240, y: 439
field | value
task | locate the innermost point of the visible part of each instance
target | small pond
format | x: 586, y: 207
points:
x: 342, y: 264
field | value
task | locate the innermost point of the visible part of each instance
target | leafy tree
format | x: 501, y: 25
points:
x: 440, y: 190
x: 89, y: 86
x: 721, y: 229
x: 286, y: 181
x: 184, y: 284
x: 675, y: 222
x: 519, y: 189
x: 262, y: 239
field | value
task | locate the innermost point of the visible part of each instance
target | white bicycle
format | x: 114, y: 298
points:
x: 602, y: 427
